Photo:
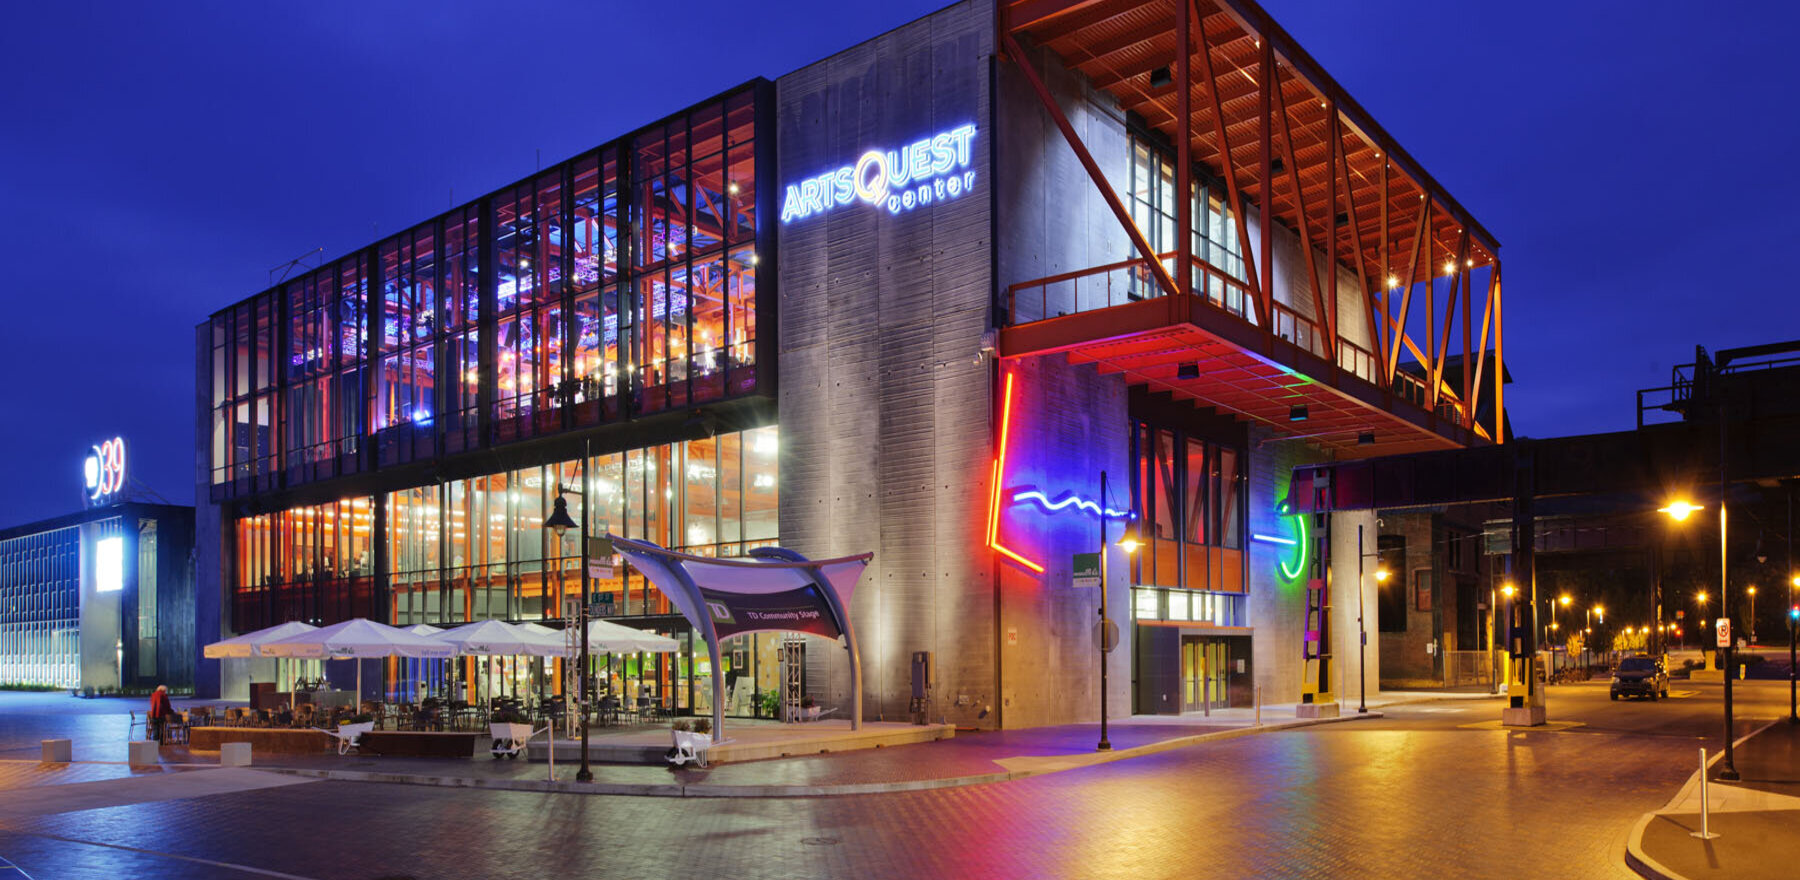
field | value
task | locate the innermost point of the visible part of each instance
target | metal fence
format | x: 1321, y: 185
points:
x: 1468, y: 667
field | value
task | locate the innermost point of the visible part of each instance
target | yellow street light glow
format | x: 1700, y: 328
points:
x: 1752, y: 591
x: 1680, y: 510
x: 1507, y: 591
x: 1566, y: 600
x: 1130, y: 544
x: 1700, y: 597
x: 1382, y: 574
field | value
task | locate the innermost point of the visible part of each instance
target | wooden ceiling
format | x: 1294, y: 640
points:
x: 1127, y: 49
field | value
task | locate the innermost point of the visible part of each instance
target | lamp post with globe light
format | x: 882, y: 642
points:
x: 1680, y: 510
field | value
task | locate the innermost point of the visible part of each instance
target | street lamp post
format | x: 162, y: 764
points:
x: 560, y: 522
x: 1752, y: 615
x: 1362, y: 629
x: 1680, y: 510
x: 1130, y: 544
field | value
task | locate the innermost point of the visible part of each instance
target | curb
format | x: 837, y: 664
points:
x: 715, y: 790
x: 1635, y: 857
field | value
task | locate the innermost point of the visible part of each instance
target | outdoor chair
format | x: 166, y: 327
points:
x: 176, y: 730
x: 349, y: 736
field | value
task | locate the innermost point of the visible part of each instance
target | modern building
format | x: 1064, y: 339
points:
x: 102, y: 598
x: 923, y: 298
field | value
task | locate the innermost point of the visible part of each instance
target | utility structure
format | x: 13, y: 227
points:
x: 1738, y: 414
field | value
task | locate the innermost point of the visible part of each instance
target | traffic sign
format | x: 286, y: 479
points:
x: 1106, y: 635
x: 1723, y: 627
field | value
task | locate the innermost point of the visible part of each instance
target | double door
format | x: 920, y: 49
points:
x: 1205, y: 674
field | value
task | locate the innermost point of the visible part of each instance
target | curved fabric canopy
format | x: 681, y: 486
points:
x: 423, y: 629
x: 495, y: 637
x: 772, y: 590
x: 247, y: 644
x: 356, y: 638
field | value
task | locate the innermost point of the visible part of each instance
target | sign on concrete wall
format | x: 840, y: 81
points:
x: 1087, y: 570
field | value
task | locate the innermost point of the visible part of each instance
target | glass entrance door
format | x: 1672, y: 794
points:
x: 1203, y: 674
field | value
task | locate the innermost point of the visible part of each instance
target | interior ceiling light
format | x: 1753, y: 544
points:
x: 1297, y: 413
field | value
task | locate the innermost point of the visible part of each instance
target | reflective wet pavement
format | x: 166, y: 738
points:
x: 1411, y: 794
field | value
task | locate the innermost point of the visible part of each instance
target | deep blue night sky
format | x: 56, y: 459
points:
x: 1635, y: 159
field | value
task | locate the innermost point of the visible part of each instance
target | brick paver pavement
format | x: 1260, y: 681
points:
x: 1412, y: 795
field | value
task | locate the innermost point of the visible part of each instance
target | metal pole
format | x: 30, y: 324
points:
x: 1105, y: 744
x: 1705, y: 832
x: 585, y: 774
x: 1793, y: 625
x: 1729, y: 770
x: 1362, y: 631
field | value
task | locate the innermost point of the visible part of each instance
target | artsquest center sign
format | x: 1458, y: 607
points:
x: 930, y: 169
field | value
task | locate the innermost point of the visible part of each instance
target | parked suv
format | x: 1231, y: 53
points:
x: 1640, y: 677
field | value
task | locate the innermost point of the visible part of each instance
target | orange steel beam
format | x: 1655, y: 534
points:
x: 1306, y: 248
x: 1266, y: 78
x: 1387, y: 269
x: 1468, y: 339
x: 1018, y: 16
x: 1256, y: 22
x: 1332, y: 150
x: 1362, y: 272
x: 1230, y: 169
x: 1487, y: 317
x: 1184, y: 158
x: 1499, y: 357
x: 1161, y: 273
x: 1457, y: 273
x: 1398, y: 335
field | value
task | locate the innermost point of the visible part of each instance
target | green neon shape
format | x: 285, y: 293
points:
x: 1300, y: 564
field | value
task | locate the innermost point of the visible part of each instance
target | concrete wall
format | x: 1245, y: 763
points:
x: 884, y: 407
x: 100, y: 625
x: 1068, y: 424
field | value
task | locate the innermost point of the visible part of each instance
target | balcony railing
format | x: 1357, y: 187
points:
x: 1127, y: 281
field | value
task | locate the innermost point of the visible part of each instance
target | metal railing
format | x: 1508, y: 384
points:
x: 1127, y: 281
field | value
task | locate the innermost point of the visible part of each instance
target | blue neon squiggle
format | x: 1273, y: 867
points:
x: 1068, y: 499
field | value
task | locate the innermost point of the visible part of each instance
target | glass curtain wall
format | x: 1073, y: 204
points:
x: 313, y: 564
x: 694, y: 213
x: 1215, y: 239
x: 1190, y: 496
x: 618, y: 283
x: 40, y: 609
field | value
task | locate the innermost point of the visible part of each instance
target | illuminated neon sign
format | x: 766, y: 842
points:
x: 103, y: 471
x: 1066, y: 500
x: 995, y: 475
x: 1300, y: 561
x: 931, y: 169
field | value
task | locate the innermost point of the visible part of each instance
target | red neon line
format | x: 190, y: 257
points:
x: 997, y: 475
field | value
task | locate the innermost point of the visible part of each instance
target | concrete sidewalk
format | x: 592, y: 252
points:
x: 1757, y: 819
x: 967, y: 759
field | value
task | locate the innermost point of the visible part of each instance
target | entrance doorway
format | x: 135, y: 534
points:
x: 1205, y: 674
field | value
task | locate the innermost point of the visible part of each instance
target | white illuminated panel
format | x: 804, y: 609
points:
x: 109, y: 565
x: 930, y: 169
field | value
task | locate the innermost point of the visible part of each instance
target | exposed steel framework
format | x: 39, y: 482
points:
x: 1247, y: 103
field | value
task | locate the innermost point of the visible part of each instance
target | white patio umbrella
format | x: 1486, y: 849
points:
x: 604, y: 635
x: 246, y: 645
x: 495, y: 637
x: 356, y: 639
x: 423, y: 629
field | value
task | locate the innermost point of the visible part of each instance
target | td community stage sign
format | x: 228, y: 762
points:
x: 928, y: 170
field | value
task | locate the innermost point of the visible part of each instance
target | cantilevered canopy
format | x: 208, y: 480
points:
x: 774, y: 590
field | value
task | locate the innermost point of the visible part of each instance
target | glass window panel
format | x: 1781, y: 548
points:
x: 1146, y: 605
x: 761, y: 470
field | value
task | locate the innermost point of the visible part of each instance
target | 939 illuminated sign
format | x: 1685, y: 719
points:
x: 930, y: 169
x: 103, y: 471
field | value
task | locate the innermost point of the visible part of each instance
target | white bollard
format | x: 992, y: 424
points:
x: 234, y: 754
x: 1705, y: 832
x: 57, y: 751
x: 143, y: 753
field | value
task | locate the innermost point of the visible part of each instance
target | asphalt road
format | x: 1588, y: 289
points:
x: 1431, y: 789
